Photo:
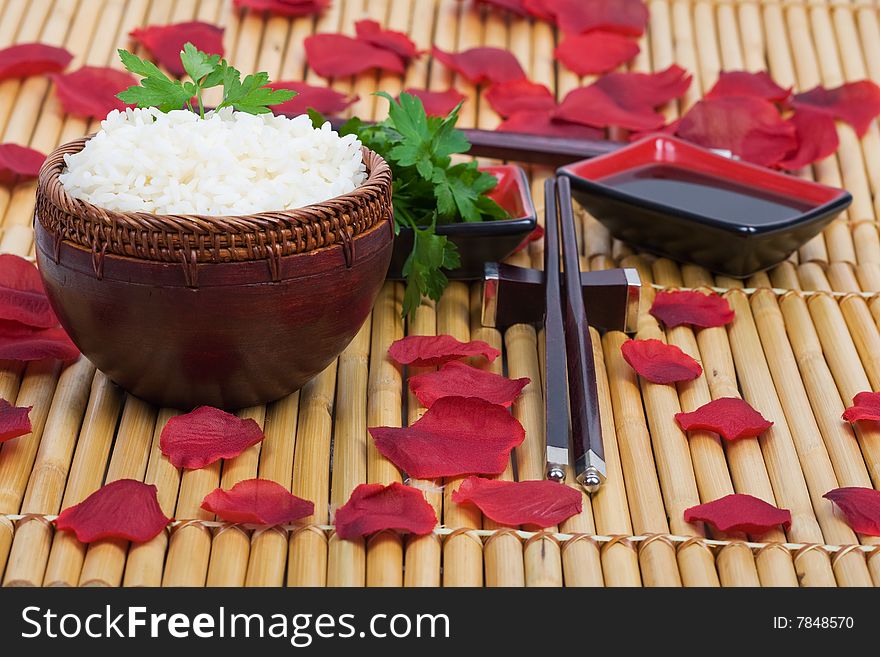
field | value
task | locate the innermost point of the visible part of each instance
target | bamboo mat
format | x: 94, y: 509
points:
x: 805, y: 340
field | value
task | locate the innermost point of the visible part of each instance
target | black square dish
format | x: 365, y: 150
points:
x: 676, y: 199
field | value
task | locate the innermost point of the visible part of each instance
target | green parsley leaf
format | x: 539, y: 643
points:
x: 158, y: 90
x: 431, y: 253
x: 196, y: 63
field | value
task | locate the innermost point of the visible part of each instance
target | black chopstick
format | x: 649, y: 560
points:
x: 586, y: 427
x: 535, y: 149
x: 556, y: 387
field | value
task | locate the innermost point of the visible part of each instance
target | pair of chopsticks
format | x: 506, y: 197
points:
x: 570, y: 377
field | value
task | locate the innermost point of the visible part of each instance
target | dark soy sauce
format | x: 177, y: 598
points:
x: 706, y: 195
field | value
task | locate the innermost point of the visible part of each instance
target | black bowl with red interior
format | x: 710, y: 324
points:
x: 676, y: 199
x: 482, y: 241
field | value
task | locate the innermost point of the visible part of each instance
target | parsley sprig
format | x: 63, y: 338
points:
x: 156, y: 89
x: 428, y: 188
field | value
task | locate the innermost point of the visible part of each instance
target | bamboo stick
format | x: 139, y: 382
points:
x: 86, y: 475
x: 462, y: 553
x: 145, y: 560
x: 189, y: 547
x: 384, y: 550
x: 814, y: 460
x: 17, y: 126
x: 268, y: 552
x: 347, y: 559
x: 849, y: 375
x: 865, y: 336
x: 7, y: 531
x: 307, y: 557
x: 397, y: 16
x: 293, y: 65
x: 685, y: 51
x: 230, y: 548
x: 837, y: 236
x: 813, y: 277
x: 657, y: 560
x: 423, y: 553
x: 30, y: 546
x: 365, y: 83
x: 17, y: 455
x: 777, y: 445
x: 105, y: 559
x: 707, y: 43
x: 619, y: 560
x: 710, y: 467
x: 503, y: 553
x: 852, y: 167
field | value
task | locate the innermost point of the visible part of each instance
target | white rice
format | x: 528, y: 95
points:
x: 229, y: 163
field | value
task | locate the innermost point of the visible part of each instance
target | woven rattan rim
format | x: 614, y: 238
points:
x: 192, y: 239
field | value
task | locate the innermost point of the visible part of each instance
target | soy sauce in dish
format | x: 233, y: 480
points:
x: 706, y: 195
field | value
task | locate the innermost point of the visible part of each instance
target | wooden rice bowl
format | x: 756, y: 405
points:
x: 184, y: 311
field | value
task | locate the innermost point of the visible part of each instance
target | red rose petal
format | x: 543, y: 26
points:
x: 745, y: 83
x: 166, y: 41
x: 515, y: 6
x: 857, y: 103
x: 397, y: 42
x: 866, y: 406
x: 479, y: 65
x: 542, y: 503
x: 337, y: 55
x: 15, y: 421
x: 816, y: 138
x: 635, y: 90
x: 24, y: 343
x: 677, y: 307
x: 205, y: 435
x: 432, y: 350
x: 659, y: 362
x: 374, y: 507
x: 125, y: 509
x: 22, y: 295
x: 739, y: 513
x: 454, y: 377
x: 26, y: 59
x: 519, y: 95
x: 730, y: 417
x: 534, y: 236
x: 595, y: 52
x: 285, y: 7
x: 19, y: 163
x: 257, y: 502
x: 91, y: 90
x: 542, y: 123
x: 578, y: 16
x: 456, y: 436
x: 321, y: 99
x: 748, y: 127
x: 861, y: 506
x: 594, y: 107
x: 437, y: 103
x: 626, y: 100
